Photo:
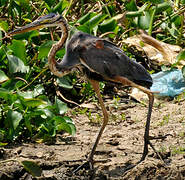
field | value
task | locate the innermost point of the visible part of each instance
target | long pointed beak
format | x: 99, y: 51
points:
x: 32, y: 26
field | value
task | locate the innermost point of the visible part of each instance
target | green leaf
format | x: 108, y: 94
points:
x: 183, y: 71
x: 28, y: 124
x: 23, y: 3
x: 4, y: 25
x: 65, y: 124
x: 154, y: 1
x: 131, y: 5
x: 25, y: 94
x: 181, y: 56
x: 19, y: 49
x: 4, y: 93
x: 2, y: 52
x: 64, y: 82
x: 3, y: 144
x: 50, y: 2
x: 32, y: 168
x: 108, y: 25
x: 138, y: 13
x: 13, y: 118
x: 69, y: 128
x: 162, y: 7
x: 39, y: 89
x: 44, y: 49
x: 27, y: 35
x: 3, y: 77
x: 61, y: 6
x: 34, y: 102
x: 95, y: 20
x: 84, y: 28
x: 86, y: 17
x: 16, y: 65
x: 144, y: 21
x: 61, y: 106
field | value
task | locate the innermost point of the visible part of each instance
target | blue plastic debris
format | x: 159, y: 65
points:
x: 168, y: 83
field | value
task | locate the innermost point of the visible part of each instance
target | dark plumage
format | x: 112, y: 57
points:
x: 102, y: 60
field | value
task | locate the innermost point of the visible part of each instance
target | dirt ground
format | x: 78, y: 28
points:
x: 120, y: 146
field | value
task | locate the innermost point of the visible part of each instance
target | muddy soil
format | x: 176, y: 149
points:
x: 120, y: 147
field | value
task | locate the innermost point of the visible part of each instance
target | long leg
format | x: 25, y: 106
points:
x: 147, y: 126
x: 147, y: 142
x: 96, y: 87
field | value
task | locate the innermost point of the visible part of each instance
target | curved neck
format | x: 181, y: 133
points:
x: 51, y: 56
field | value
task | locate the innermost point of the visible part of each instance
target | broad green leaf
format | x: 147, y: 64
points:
x: 65, y: 124
x: 84, y: 28
x: 46, y: 113
x: 8, y: 95
x: 144, y: 21
x: 32, y: 168
x: 14, y: 118
x: 68, y: 127
x: 16, y: 65
x: 3, y: 77
x: 108, y: 25
x: 162, y: 7
x: 131, y: 5
x: 61, y: 106
x: 44, y: 49
x: 4, y: 93
x: 39, y: 89
x: 19, y: 49
x: 59, y: 120
x: 34, y: 102
x: 25, y: 94
x: 64, y: 82
x: 68, y: 120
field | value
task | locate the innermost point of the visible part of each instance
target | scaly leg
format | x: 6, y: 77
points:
x: 96, y: 87
x: 147, y: 138
x: 147, y: 127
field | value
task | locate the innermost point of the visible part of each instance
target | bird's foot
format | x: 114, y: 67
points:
x: 147, y: 142
x: 88, y: 165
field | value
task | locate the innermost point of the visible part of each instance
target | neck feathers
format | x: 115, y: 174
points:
x: 51, y: 56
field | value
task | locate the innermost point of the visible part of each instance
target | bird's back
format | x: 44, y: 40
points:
x: 103, y: 59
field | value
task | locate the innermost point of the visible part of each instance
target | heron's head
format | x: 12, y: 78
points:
x: 49, y: 20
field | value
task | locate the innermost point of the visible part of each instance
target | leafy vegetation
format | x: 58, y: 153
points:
x: 30, y: 106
